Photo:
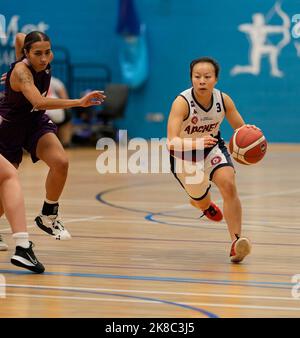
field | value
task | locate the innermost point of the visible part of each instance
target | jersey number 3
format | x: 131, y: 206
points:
x: 218, y: 107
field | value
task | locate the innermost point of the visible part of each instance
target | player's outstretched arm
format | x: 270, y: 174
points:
x: 22, y: 81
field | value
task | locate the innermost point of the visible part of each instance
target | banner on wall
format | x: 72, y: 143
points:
x: 133, y: 51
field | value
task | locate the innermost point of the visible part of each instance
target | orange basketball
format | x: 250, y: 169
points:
x: 248, y: 145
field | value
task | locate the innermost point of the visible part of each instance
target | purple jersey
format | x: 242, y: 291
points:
x: 21, y: 127
x: 14, y: 106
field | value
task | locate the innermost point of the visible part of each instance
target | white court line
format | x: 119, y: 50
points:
x: 223, y: 305
x: 79, y: 202
x: 158, y: 292
x: 83, y: 298
x: 181, y: 206
x: 67, y: 221
x: 240, y: 306
x: 247, y: 225
x: 190, y: 222
x: 83, y: 219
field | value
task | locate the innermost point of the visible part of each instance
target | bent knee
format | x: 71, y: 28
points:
x: 228, y: 189
x: 8, y: 173
x: 60, y: 164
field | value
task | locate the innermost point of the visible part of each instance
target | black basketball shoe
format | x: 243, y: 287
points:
x: 25, y: 258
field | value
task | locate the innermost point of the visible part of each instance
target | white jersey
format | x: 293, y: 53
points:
x: 200, y: 121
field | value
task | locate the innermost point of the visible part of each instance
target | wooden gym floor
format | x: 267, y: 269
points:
x: 140, y: 250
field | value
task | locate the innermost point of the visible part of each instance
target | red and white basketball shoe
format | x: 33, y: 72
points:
x: 213, y: 212
x: 240, y: 248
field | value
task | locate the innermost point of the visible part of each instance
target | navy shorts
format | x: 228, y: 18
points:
x: 16, y: 136
x: 196, y: 177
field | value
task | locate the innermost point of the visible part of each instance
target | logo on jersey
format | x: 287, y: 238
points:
x: 44, y: 95
x: 194, y: 120
x: 47, y: 71
x: 200, y: 129
x: 206, y: 118
x: 192, y: 104
x: 216, y: 160
x: 2, y: 119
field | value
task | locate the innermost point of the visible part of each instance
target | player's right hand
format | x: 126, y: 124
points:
x: 209, y: 141
x: 92, y: 99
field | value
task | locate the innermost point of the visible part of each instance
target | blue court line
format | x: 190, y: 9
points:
x: 189, y: 307
x: 99, y: 197
x: 149, y: 214
x: 262, y: 284
x: 150, y: 218
x: 170, y: 213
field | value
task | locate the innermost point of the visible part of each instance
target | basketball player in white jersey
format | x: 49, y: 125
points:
x: 197, y: 114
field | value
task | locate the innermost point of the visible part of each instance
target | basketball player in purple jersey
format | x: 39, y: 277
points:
x: 197, y: 114
x: 25, y: 126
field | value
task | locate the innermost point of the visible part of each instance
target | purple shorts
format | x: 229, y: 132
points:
x: 16, y: 136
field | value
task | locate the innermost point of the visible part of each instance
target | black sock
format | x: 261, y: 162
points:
x: 50, y: 209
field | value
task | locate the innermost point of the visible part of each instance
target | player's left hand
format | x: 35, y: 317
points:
x: 249, y: 126
x: 253, y: 126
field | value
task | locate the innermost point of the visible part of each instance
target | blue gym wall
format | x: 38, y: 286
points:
x: 177, y: 32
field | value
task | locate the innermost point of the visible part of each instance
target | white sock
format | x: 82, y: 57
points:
x: 50, y: 202
x: 21, y: 239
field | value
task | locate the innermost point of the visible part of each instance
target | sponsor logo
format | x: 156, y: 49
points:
x: 216, y: 160
x: 194, y: 120
x: 205, y: 118
x: 32, y: 260
x: 3, y: 119
x: 44, y: 95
